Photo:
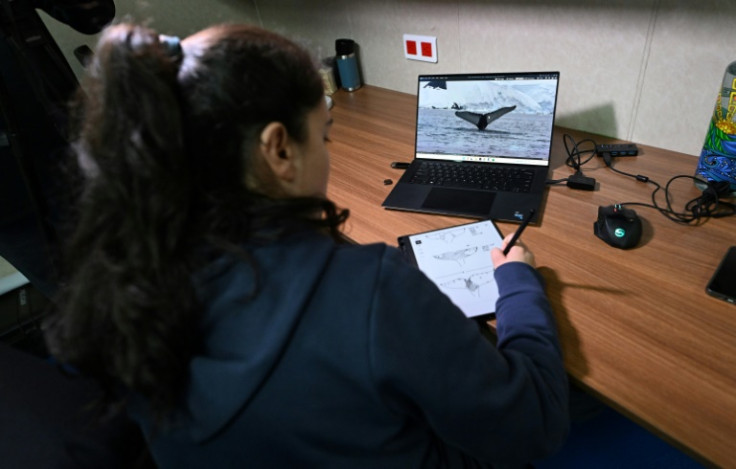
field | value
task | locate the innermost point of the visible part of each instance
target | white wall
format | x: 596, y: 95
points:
x: 640, y: 70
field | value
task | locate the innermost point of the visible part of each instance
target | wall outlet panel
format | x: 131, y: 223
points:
x: 422, y: 48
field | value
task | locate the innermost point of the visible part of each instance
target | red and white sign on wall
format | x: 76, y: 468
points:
x: 420, y: 47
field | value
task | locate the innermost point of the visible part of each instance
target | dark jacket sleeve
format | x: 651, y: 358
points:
x: 505, y: 404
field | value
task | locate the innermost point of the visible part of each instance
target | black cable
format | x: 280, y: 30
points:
x: 552, y: 182
x: 697, y: 210
x: 574, y: 157
x: 577, y: 152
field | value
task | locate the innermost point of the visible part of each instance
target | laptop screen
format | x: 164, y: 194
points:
x: 488, y: 118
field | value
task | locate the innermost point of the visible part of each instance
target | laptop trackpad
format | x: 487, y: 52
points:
x: 459, y: 201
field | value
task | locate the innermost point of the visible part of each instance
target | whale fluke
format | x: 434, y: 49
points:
x: 482, y: 120
x: 437, y: 84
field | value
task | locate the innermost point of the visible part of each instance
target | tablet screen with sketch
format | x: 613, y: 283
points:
x: 458, y: 261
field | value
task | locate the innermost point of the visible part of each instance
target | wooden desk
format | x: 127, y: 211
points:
x: 637, y: 328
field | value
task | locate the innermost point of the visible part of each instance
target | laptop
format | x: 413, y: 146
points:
x: 482, y: 146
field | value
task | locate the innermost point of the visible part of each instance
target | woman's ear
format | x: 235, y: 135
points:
x: 276, y: 150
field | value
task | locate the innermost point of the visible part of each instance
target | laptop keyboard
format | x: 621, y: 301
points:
x: 473, y: 176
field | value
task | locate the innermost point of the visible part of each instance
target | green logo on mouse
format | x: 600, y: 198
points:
x: 620, y: 232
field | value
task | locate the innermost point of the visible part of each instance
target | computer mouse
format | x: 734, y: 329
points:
x: 618, y: 226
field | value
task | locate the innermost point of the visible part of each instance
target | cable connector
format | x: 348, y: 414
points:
x: 580, y: 182
x: 607, y: 158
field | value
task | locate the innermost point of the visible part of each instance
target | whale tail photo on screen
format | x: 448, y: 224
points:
x: 482, y: 120
x: 437, y: 84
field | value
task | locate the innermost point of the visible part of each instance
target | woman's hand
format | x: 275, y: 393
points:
x: 517, y: 253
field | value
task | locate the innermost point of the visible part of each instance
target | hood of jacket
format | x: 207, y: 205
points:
x: 251, y: 310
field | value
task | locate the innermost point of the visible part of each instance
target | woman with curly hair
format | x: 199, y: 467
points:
x: 208, y: 289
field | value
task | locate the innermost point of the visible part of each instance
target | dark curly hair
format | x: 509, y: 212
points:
x: 162, y: 147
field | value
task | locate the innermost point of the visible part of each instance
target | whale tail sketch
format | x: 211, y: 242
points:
x: 482, y: 120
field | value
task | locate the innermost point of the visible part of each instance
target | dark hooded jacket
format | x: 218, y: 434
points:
x: 349, y: 357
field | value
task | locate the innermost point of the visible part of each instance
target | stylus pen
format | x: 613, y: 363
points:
x: 515, y: 238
